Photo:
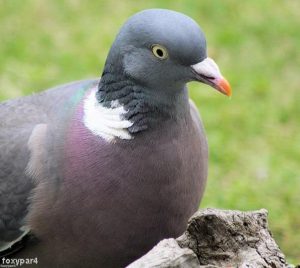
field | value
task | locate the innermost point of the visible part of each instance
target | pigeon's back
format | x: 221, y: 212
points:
x: 17, y: 119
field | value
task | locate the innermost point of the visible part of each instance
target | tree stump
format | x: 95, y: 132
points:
x: 219, y: 238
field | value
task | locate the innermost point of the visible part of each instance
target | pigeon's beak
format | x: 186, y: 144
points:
x: 208, y: 72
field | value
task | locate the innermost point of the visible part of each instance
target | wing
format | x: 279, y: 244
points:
x: 200, y: 129
x: 15, y: 186
x: 197, y: 119
x: 26, y: 125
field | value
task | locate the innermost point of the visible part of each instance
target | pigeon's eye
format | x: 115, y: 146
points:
x: 159, y: 52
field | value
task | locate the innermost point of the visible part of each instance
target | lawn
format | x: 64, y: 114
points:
x: 253, y: 137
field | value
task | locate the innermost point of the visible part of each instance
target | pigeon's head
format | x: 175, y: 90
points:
x: 164, y: 49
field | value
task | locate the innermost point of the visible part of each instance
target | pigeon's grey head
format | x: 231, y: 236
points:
x: 163, y: 50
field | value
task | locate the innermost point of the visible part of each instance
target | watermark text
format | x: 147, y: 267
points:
x: 17, y: 262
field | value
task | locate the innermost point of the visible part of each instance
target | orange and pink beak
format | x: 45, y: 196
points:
x: 208, y: 72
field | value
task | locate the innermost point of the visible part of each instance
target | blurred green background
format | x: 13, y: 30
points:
x: 253, y: 137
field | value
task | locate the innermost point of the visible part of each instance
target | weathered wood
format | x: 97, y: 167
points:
x: 219, y: 238
x: 167, y: 253
x: 232, y: 239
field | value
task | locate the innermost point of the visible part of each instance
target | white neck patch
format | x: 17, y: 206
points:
x: 105, y: 122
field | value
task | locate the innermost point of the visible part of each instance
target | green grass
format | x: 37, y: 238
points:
x: 254, y: 137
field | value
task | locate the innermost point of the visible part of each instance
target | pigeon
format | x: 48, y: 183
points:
x: 94, y: 173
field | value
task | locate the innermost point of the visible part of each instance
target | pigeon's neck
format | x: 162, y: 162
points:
x: 145, y: 108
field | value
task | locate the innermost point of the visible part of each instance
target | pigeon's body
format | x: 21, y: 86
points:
x: 87, y: 168
x: 99, y: 171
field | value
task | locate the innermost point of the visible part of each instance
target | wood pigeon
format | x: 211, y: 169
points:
x: 94, y: 173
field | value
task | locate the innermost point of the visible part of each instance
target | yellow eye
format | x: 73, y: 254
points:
x: 159, y: 52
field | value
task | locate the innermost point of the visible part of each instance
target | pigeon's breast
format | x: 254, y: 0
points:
x: 134, y: 192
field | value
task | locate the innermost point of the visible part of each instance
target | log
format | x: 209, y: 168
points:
x: 167, y: 253
x: 219, y: 238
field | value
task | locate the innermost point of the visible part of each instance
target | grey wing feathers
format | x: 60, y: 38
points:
x: 17, y: 120
x: 196, y: 117
x: 199, y: 126
x: 23, y: 127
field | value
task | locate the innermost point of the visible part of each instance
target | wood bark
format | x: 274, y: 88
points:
x: 219, y: 238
